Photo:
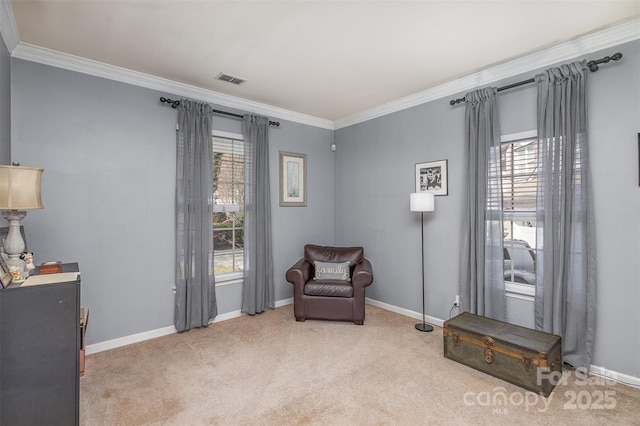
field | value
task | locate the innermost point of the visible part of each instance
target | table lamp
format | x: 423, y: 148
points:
x: 19, y: 191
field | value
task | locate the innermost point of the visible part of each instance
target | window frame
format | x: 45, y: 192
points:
x: 513, y: 289
x: 227, y: 278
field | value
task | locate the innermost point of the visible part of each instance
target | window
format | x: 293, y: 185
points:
x: 228, y: 206
x: 519, y: 158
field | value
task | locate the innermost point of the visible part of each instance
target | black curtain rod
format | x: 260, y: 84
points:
x: 176, y: 104
x: 593, y: 67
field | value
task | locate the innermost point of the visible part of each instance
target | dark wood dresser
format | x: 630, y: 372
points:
x: 39, y: 351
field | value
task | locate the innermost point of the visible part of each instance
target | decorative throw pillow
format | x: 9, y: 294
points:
x: 332, y: 271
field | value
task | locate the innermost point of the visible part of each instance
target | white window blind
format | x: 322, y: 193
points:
x: 519, y: 164
x: 228, y: 207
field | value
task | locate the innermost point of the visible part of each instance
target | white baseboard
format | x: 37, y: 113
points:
x: 284, y: 302
x: 236, y: 314
x: 405, y: 312
x: 152, y: 334
x: 615, y: 376
x: 159, y: 332
x: 128, y: 340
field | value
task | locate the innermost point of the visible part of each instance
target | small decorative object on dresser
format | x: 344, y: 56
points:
x: 525, y: 357
x: 50, y: 268
x: 28, y: 260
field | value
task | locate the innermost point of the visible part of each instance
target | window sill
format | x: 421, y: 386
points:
x: 229, y: 279
x: 520, y: 291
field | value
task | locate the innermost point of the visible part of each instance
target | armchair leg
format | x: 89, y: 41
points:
x: 359, y: 322
x: 301, y: 319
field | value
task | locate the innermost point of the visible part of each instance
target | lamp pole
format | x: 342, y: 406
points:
x: 423, y: 326
x: 422, y: 202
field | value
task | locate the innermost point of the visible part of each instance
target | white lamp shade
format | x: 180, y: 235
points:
x: 422, y: 202
x: 20, y: 188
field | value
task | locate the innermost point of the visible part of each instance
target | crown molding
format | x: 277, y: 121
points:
x: 66, y: 61
x: 603, y: 39
x: 584, y: 45
x: 8, y: 26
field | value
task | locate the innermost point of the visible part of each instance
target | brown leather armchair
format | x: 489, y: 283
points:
x: 317, y: 297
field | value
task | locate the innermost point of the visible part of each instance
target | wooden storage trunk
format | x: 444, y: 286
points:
x: 506, y: 351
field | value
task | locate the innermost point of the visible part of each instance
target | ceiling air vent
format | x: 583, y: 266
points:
x: 230, y: 79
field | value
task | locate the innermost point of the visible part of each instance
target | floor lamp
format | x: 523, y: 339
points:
x: 422, y: 202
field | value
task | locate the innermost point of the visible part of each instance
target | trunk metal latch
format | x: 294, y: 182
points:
x: 456, y: 339
x: 488, y: 356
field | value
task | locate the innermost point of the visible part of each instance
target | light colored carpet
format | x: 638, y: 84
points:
x: 271, y: 370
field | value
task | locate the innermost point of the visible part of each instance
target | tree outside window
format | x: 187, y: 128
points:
x: 228, y: 205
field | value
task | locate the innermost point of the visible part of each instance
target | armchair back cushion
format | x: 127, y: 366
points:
x: 353, y: 255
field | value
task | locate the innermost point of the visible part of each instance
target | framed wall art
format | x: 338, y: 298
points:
x: 293, y: 179
x: 432, y: 177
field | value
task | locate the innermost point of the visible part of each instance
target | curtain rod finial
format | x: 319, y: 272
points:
x: 174, y: 104
x: 593, y: 65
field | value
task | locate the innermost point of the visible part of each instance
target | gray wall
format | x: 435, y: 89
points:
x: 5, y: 104
x: 95, y: 136
x: 374, y: 175
x: 108, y: 150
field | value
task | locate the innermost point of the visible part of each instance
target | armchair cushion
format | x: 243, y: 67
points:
x: 331, y: 288
x: 332, y: 271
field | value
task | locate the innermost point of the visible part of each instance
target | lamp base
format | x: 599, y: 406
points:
x: 423, y: 327
x: 14, y: 244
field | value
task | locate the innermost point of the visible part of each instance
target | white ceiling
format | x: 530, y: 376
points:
x: 326, y: 59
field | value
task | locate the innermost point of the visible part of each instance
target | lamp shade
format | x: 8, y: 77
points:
x: 422, y: 202
x: 20, y: 188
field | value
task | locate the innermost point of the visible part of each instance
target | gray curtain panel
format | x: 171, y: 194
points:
x: 565, y: 267
x: 258, y: 288
x: 195, y: 283
x: 481, y: 283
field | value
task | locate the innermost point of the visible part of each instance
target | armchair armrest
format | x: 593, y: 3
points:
x: 362, y: 274
x: 298, y: 275
x: 300, y: 272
